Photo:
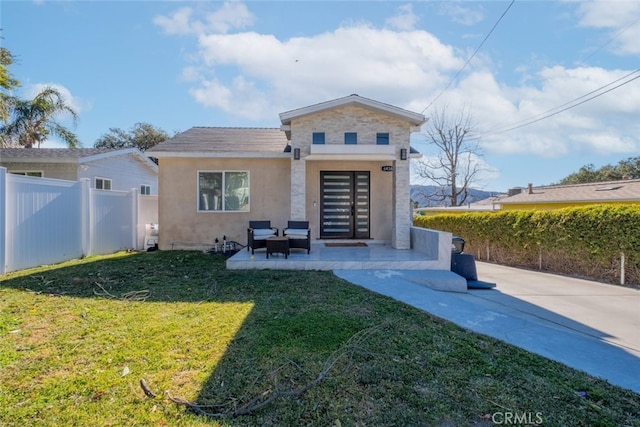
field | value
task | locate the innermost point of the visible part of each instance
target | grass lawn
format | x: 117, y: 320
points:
x: 76, y: 339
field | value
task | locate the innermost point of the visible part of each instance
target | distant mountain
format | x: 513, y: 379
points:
x: 421, y: 193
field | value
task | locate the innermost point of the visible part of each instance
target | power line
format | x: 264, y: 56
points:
x: 530, y: 121
x: 615, y: 36
x: 471, y: 57
x: 533, y: 119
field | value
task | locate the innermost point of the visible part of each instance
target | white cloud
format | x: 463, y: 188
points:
x: 178, y: 23
x: 621, y: 17
x: 404, y: 20
x: 356, y: 59
x: 256, y: 76
x: 461, y: 14
x: 585, y: 128
x: 231, y: 15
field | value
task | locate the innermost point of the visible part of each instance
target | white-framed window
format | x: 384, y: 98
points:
x: 103, y: 184
x: 28, y: 173
x: 223, y: 191
x: 145, y: 189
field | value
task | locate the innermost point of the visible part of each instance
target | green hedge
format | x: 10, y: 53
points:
x: 586, y: 241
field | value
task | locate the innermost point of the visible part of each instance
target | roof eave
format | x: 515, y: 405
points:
x: 415, y: 119
x: 537, y: 202
x: 212, y: 155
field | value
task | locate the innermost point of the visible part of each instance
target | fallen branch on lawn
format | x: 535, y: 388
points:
x: 128, y: 296
x: 266, y: 397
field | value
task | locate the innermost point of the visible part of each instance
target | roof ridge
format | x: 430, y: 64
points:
x: 235, y: 127
x: 586, y: 184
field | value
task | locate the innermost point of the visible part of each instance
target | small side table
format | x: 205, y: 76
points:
x: 278, y: 245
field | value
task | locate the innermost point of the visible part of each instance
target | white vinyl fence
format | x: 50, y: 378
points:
x: 45, y: 221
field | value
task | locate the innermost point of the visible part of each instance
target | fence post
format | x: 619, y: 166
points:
x: 85, y: 215
x: 3, y: 220
x: 540, y: 258
x: 622, y: 268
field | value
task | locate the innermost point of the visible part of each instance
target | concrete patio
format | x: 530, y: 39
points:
x: 321, y: 257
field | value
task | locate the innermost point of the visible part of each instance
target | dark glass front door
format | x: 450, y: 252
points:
x: 344, y: 206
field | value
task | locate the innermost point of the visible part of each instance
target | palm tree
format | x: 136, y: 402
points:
x: 33, y: 121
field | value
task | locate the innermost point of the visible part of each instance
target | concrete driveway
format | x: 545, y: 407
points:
x: 606, y: 312
x: 587, y: 325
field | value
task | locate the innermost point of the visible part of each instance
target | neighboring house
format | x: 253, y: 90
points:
x: 342, y: 165
x: 106, y: 168
x: 490, y: 204
x: 561, y: 196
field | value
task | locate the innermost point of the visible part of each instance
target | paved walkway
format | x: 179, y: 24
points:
x: 587, y: 325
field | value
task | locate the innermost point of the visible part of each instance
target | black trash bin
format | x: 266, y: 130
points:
x: 461, y: 263
x: 457, y: 245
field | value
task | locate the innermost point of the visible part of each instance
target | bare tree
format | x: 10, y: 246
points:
x: 454, y: 164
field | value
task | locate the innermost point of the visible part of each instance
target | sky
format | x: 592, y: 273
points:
x: 511, y: 66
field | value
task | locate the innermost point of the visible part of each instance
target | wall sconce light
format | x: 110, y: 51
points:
x: 403, y: 154
x: 296, y: 154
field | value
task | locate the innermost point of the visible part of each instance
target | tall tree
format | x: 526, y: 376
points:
x: 142, y: 136
x: 7, y: 83
x: 629, y: 168
x: 33, y: 121
x: 454, y: 164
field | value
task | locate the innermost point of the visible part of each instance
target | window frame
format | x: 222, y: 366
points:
x: 223, y: 189
x: 351, y: 138
x: 145, y: 189
x: 103, y: 180
x: 382, y: 138
x: 318, y: 138
x: 32, y: 173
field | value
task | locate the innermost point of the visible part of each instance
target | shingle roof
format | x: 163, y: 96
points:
x: 44, y: 154
x: 68, y: 155
x: 219, y: 140
x: 625, y: 190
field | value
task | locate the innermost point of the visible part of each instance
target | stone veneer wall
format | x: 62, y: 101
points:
x: 366, y: 123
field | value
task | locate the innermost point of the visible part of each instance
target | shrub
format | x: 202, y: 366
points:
x: 585, y: 241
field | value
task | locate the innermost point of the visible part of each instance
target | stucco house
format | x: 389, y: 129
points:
x: 342, y: 165
x: 575, y: 195
x: 105, y: 168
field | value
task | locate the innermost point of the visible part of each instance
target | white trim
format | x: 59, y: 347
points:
x: 218, y: 155
x: 25, y: 172
x: 95, y: 183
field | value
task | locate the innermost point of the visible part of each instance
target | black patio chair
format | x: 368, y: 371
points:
x: 299, y: 235
x: 258, y: 233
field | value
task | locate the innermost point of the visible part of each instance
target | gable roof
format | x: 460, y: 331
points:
x: 414, y: 118
x: 68, y: 155
x: 224, y: 142
x: 610, y: 191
